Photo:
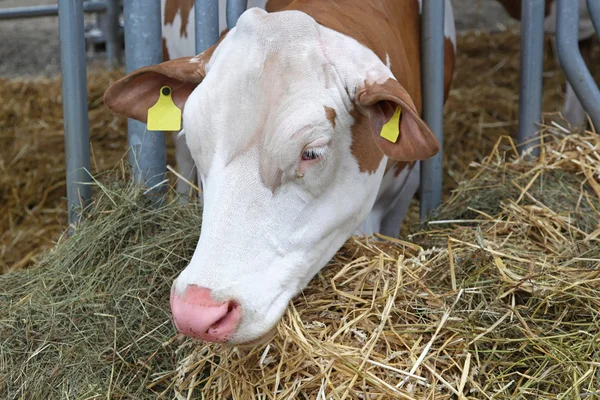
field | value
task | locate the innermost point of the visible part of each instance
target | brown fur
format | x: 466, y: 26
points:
x: 133, y: 94
x: 276, y: 5
x: 166, y: 56
x: 363, y: 146
x: 448, y: 66
x: 184, y: 7
x: 330, y: 114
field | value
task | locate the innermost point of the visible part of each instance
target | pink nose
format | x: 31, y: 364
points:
x: 197, y: 315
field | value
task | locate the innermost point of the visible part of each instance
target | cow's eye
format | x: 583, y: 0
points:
x: 313, y: 153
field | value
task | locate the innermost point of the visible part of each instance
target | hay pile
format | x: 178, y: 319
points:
x: 498, y: 298
x: 92, y: 316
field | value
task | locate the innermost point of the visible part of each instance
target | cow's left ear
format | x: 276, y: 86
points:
x: 415, y: 140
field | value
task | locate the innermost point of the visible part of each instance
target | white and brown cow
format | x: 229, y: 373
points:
x: 282, y: 119
x: 572, y: 109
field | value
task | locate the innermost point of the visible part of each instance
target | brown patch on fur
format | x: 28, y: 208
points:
x: 330, y: 114
x: 363, y: 147
x: 448, y: 66
x: 184, y: 7
x: 166, y: 56
x: 400, y: 165
x: 276, y: 5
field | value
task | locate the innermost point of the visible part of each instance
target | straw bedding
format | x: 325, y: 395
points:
x: 497, y: 297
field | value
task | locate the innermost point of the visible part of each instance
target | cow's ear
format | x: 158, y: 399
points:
x: 132, y: 95
x: 135, y: 93
x: 415, y: 140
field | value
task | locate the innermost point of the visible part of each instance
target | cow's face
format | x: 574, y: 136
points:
x: 284, y: 130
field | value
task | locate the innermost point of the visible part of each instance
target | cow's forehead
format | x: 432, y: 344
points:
x: 283, y: 45
x: 267, y: 84
x: 281, y: 27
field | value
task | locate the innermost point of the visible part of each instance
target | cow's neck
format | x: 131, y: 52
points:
x: 390, y: 28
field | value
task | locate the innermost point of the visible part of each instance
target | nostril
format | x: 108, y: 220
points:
x: 197, y: 314
x: 230, y: 318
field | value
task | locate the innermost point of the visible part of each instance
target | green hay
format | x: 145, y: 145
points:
x: 92, y: 317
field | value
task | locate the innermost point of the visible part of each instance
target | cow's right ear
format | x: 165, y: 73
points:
x: 132, y: 95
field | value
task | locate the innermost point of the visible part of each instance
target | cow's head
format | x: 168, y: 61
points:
x: 282, y: 118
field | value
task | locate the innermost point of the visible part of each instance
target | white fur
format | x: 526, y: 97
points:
x: 268, y: 229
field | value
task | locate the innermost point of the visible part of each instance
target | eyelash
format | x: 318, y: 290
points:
x: 314, y: 153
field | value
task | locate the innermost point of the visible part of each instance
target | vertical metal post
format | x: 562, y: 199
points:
x: 75, y: 108
x: 532, y: 58
x: 594, y: 10
x: 111, y: 32
x: 432, y: 82
x: 143, y: 47
x: 578, y: 75
x: 235, y: 8
x: 206, y: 13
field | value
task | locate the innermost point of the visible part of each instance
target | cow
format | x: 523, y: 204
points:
x: 282, y: 118
x: 572, y: 109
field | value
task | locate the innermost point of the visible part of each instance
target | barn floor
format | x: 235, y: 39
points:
x: 482, y: 107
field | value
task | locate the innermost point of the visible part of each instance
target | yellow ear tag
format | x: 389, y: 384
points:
x: 391, y: 130
x: 164, y: 115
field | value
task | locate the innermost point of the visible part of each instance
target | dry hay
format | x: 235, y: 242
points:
x: 500, y: 299
x: 482, y: 107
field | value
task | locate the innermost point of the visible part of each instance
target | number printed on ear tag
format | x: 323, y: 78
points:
x: 391, y: 130
x: 164, y: 115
